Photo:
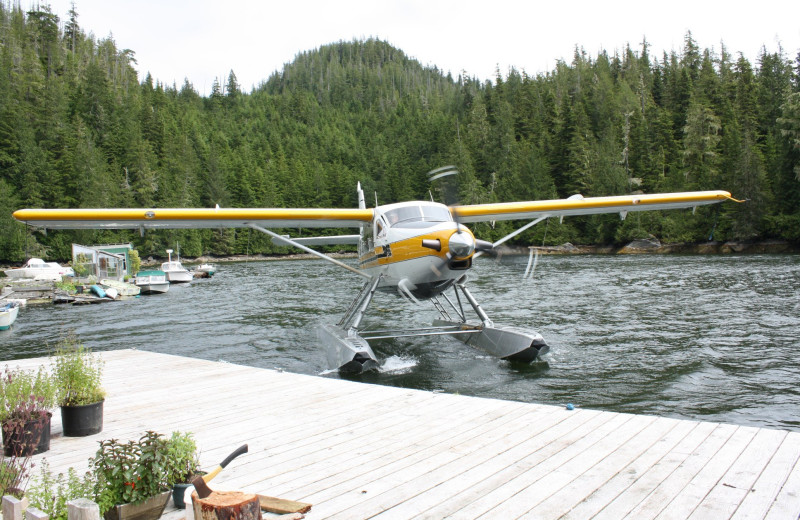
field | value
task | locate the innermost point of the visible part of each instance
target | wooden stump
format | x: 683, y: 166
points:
x: 83, y: 509
x: 226, y: 505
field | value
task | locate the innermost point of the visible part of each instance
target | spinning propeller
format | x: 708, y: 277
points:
x: 447, y: 177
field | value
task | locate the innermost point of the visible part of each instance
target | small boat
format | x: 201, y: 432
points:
x: 152, y: 282
x: 38, y: 269
x: 8, y: 314
x: 208, y: 269
x: 175, y: 272
x: 123, y: 289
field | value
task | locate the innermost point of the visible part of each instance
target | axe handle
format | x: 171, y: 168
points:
x: 214, y: 472
x: 239, y: 451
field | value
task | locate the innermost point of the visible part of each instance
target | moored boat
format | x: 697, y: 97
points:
x: 174, y: 271
x: 123, y: 289
x: 38, y: 269
x: 152, y: 282
x: 8, y: 314
x: 208, y: 269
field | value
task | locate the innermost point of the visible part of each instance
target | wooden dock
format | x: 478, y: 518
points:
x: 361, y: 451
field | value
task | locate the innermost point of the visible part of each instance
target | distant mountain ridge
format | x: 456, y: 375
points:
x: 79, y: 128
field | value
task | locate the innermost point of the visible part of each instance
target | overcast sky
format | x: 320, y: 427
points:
x: 203, y: 39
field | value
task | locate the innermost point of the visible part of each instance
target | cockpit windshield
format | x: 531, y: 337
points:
x: 412, y: 216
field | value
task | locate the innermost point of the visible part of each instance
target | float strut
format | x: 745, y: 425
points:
x: 353, y: 318
x: 476, y: 306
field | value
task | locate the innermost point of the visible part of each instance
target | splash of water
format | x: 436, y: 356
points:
x: 398, y: 365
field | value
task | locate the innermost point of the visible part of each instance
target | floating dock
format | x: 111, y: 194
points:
x: 357, y: 450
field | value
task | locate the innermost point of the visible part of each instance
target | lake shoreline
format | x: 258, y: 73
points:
x: 643, y: 246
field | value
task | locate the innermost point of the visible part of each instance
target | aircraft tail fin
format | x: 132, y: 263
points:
x: 361, y: 203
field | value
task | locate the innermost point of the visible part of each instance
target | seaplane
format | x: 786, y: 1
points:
x: 418, y: 250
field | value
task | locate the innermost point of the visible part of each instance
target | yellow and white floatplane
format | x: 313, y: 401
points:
x: 418, y: 250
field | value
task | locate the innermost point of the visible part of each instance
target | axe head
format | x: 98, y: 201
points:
x: 201, y: 487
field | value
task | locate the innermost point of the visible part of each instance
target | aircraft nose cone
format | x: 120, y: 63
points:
x: 461, y: 245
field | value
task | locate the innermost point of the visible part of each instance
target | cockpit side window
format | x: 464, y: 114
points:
x: 380, y: 228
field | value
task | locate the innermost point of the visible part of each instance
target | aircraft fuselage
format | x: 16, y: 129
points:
x: 417, y: 246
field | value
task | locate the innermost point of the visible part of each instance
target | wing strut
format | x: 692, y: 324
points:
x: 288, y: 241
x: 514, y: 233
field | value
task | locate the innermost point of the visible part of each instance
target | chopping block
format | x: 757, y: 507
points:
x: 226, y: 505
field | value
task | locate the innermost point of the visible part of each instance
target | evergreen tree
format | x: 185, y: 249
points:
x: 78, y: 128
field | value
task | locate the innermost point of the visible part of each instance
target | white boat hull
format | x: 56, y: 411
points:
x: 175, y: 272
x: 37, y: 269
x: 8, y: 315
x: 152, y: 282
x: 154, y: 287
x: 207, y: 268
x: 179, y: 276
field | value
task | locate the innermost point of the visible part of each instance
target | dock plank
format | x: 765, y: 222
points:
x: 738, y: 482
x: 599, y: 476
x: 659, y: 484
x: 602, y: 495
x: 765, y: 490
x: 692, y: 495
x: 355, y: 450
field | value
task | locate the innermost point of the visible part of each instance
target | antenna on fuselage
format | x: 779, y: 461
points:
x: 376, y: 199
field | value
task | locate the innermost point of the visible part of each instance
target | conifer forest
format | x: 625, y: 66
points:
x: 79, y: 128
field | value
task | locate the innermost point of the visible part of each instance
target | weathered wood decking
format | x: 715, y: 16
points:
x: 360, y: 451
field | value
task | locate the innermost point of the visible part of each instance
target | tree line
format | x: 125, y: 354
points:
x: 78, y: 128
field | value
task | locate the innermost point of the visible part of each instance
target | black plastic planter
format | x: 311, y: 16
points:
x: 80, y: 421
x: 178, y: 492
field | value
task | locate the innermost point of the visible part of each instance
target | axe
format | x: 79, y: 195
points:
x: 201, y: 483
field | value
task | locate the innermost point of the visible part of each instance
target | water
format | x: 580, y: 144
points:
x: 702, y: 337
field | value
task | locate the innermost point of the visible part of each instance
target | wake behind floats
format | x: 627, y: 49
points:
x: 417, y: 250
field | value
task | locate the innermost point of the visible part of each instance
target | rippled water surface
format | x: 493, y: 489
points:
x: 701, y: 337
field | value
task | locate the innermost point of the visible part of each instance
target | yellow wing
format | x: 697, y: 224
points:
x: 578, y: 205
x: 192, y: 218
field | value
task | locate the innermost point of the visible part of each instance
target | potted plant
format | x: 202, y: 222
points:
x: 25, y: 399
x: 78, y: 377
x: 182, y: 465
x: 132, y: 478
x: 14, y: 474
x: 50, y: 493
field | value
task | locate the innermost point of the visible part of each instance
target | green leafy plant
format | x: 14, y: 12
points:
x: 81, y: 265
x: 130, y: 472
x: 68, y: 287
x: 136, y: 261
x: 25, y: 397
x: 183, y: 462
x: 14, y: 474
x: 77, y: 373
x: 50, y: 493
x: 25, y: 393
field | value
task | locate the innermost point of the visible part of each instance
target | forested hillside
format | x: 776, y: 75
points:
x: 79, y: 128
